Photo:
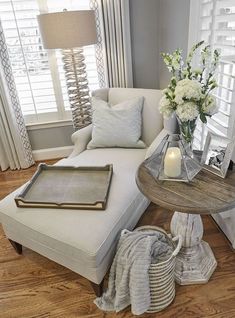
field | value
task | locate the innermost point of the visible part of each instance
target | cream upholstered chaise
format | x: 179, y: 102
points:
x: 84, y: 240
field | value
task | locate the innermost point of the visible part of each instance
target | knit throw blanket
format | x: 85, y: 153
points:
x: 128, y: 279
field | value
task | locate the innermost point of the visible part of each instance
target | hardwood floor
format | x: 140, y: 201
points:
x: 32, y: 286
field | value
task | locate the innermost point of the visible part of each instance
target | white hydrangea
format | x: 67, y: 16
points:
x: 165, y: 107
x: 187, y: 111
x: 209, y: 106
x: 187, y: 89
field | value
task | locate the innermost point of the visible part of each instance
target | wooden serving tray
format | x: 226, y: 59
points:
x: 67, y: 187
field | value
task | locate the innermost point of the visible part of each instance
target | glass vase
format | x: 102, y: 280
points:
x: 187, y: 129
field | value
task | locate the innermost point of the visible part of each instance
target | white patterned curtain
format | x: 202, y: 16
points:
x: 113, y: 51
x: 15, y: 149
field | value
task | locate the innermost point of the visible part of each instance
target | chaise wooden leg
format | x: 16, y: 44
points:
x: 98, y: 289
x: 17, y: 246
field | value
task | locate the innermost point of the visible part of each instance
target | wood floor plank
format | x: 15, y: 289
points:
x: 32, y: 286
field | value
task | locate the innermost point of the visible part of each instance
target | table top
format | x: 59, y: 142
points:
x: 205, y: 194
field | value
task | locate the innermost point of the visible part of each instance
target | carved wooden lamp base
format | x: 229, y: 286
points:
x: 195, y: 263
x: 77, y: 86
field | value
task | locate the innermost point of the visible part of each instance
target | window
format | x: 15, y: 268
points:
x: 214, y: 22
x: 39, y: 74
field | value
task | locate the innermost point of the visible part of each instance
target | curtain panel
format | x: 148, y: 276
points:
x: 15, y: 148
x: 114, y: 42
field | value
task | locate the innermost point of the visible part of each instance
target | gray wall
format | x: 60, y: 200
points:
x: 173, y: 31
x: 156, y: 26
x: 144, y: 40
x: 50, y: 137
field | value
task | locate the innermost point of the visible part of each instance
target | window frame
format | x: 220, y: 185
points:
x: 193, y: 37
x: 62, y: 115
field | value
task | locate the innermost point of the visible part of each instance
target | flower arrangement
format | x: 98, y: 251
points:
x: 188, y: 94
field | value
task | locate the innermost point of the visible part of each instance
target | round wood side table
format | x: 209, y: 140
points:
x: 205, y: 194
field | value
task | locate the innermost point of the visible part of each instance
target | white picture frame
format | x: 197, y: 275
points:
x: 217, y: 154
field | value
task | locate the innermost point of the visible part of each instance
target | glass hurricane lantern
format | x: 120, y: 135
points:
x: 173, y: 161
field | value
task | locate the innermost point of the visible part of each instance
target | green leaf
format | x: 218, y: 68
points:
x: 203, y: 118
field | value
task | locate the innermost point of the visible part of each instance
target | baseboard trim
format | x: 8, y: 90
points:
x: 52, y: 153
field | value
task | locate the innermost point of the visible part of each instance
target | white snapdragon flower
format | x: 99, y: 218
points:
x: 165, y: 90
x: 197, y: 71
x: 187, y: 89
x: 187, y: 111
x: 175, y: 64
x: 165, y: 107
x: 209, y: 106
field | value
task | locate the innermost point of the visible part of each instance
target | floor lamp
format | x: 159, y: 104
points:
x: 70, y: 31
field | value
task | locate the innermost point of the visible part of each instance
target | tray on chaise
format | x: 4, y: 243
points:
x: 67, y: 187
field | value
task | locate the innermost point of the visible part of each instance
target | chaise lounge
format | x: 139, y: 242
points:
x: 84, y: 240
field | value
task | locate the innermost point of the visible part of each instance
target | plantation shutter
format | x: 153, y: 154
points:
x: 217, y: 28
x: 29, y: 60
x: 38, y: 73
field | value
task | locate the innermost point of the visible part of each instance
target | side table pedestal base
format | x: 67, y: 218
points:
x: 195, y: 263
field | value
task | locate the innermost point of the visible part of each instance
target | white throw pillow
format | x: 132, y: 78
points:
x: 118, y: 125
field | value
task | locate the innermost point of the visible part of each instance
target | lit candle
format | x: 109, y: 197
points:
x: 172, y: 162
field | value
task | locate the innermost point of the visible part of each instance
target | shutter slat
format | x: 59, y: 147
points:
x: 225, y: 17
x: 225, y: 3
x: 223, y: 99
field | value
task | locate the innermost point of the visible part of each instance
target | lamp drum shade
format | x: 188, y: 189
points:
x: 67, y: 29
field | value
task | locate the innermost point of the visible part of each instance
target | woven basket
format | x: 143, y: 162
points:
x: 161, y: 275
